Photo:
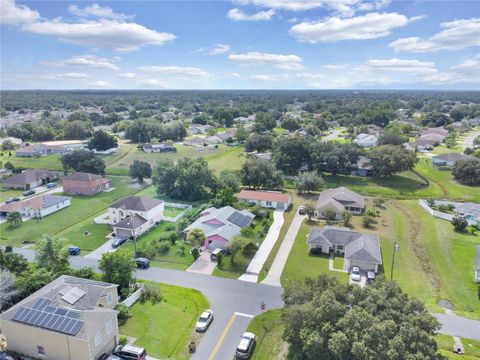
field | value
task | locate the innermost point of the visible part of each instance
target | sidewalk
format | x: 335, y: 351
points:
x: 261, y: 256
x: 275, y: 272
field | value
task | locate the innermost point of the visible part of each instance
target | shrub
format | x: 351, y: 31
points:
x: 173, y: 237
x: 443, y: 208
x: 195, y: 253
x: 123, y: 313
x: 459, y: 223
x: 164, y: 237
x: 122, y: 340
x: 170, y: 227
x: 431, y: 202
x: 249, y: 249
x: 163, y: 248
x: 152, y: 293
x: 372, y: 212
x: 247, y: 231
x: 378, y: 202
x: 220, y: 260
x: 368, y: 221
x: 181, y: 250
x: 329, y: 215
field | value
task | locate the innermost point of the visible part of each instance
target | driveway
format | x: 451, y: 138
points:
x: 468, y: 141
x: 275, y: 272
x: 203, y: 264
x: 105, y: 248
x: 261, y: 256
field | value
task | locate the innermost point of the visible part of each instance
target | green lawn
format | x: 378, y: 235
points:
x: 268, y: 328
x: 471, y: 347
x: 302, y: 264
x: 8, y: 193
x: 165, y: 329
x: 70, y: 222
x: 172, y: 211
x: 338, y: 262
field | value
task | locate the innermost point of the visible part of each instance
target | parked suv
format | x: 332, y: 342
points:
x: 73, y: 250
x: 129, y: 352
x: 29, y: 192
x: 246, y: 346
x: 142, y: 263
x: 214, y: 254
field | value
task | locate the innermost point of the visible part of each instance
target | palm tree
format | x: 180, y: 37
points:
x: 196, y: 237
x: 14, y: 218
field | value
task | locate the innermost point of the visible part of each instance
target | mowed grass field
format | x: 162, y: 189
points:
x: 268, y: 327
x: 72, y: 221
x: 166, y: 328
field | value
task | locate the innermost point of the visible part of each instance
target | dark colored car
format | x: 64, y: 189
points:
x: 117, y: 242
x: 51, y: 185
x: 142, y: 263
x: 109, y: 357
x: 214, y: 254
x: 73, y: 250
x: 246, y: 346
x: 129, y: 352
x: 29, y: 192
x: 8, y: 201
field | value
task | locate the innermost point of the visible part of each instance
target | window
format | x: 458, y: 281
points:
x: 109, y: 326
x: 339, y: 247
x: 98, y: 338
x: 109, y: 298
x: 41, y: 350
x: 269, y: 203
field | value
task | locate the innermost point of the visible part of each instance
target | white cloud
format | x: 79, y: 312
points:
x: 466, y: 72
x: 13, y: 14
x: 215, y: 49
x: 175, y: 70
x: 456, y: 35
x: 373, y: 5
x: 285, y: 62
x: 334, y: 67
x: 369, y: 26
x: 311, y: 76
x: 128, y: 75
x: 111, y: 34
x: 238, y: 15
x: 152, y: 83
x: 100, y: 84
x: 398, y: 65
x: 63, y: 76
x: 87, y: 61
x: 272, y: 77
x: 96, y: 10
x: 235, y: 75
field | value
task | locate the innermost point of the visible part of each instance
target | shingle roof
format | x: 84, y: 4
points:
x: 453, y: 157
x: 138, y: 203
x: 339, y: 197
x: 263, y: 196
x: 29, y: 176
x: 35, y: 203
x: 126, y: 223
x: 83, y: 176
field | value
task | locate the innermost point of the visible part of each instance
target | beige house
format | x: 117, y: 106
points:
x: 70, y: 318
x: 339, y: 200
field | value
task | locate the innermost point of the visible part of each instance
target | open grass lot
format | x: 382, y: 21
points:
x: 165, y: 329
x: 472, y: 348
x: 172, y: 211
x: 8, y: 193
x: 66, y: 222
x: 268, y: 328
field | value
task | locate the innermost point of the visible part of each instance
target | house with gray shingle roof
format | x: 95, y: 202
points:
x: 339, y: 200
x: 37, y: 206
x: 358, y: 249
x: 30, y: 179
x: 221, y: 225
x: 449, y: 160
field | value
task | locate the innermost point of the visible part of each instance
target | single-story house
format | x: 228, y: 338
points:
x: 160, y: 148
x: 469, y: 211
x: 339, y: 200
x: 449, y: 160
x: 423, y: 145
x: 435, y: 139
x: 214, y: 139
x: 366, y: 140
x: 30, y: 179
x: 81, y: 183
x: 477, y: 265
x: 197, y: 129
x: 221, y: 225
x: 38, y: 206
x: 358, y: 249
x: 146, y: 213
x: 363, y: 166
x: 15, y: 141
x: 32, y: 150
x: 69, y: 318
x: 438, y: 131
x: 267, y: 199
x: 64, y: 146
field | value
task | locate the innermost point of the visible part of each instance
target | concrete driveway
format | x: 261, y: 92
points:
x: 203, y: 265
x: 105, y: 248
x: 261, y: 256
x: 468, y: 140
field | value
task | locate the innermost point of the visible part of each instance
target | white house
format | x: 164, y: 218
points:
x: 134, y: 215
x: 160, y: 148
x: 38, y: 206
x: 266, y: 199
x: 366, y: 140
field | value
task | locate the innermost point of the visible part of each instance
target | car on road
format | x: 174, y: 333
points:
x: 109, y: 357
x: 355, y: 274
x: 142, y: 263
x: 204, y: 321
x: 29, y: 192
x: 51, y: 185
x: 302, y: 210
x: 246, y: 346
x: 130, y: 352
x: 12, y: 199
x: 73, y: 250
x: 214, y: 254
x: 118, y: 241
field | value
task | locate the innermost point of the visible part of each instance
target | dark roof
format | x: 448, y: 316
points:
x: 453, y: 157
x: 138, y: 203
x: 29, y: 176
x: 127, y: 222
x: 82, y: 176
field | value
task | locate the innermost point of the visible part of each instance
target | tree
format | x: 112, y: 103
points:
x: 257, y: 173
x: 292, y: 153
x: 50, y: 254
x: 310, y: 211
x: 228, y: 179
x: 290, y: 124
x: 8, y: 145
x: 387, y: 160
x: 15, y: 263
x: 77, y: 130
x: 346, y: 218
x: 117, y: 268
x: 196, y: 237
x: 467, y: 171
x: 392, y: 137
x: 329, y: 215
x: 8, y: 290
x: 138, y: 131
x: 264, y: 122
x: 84, y: 161
x: 258, y: 142
x: 333, y: 157
x: 241, y: 134
x: 102, y: 141
x: 459, y: 223
x: 14, y: 218
x: 308, y: 181
x: 434, y: 119
x: 368, y: 221
x: 140, y: 170
x: 341, y: 321
x: 234, y: 245
x: 188, y: 179
x: 35, y: 278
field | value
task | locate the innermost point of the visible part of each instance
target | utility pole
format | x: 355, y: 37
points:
x: 395, y: 249
x: 133, y: 233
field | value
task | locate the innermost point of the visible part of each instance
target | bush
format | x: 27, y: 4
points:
x: 8, y: 249
x: 431, y: 202
x: 170, y: 227
x: 249, y: 249
x: 164, y: 237
x: 195, y: 253
x: 181, y: 250
x: 122, y: 340
x: 220, y: 260
x: 459, y: 223
x: 163, y: 248
x: 152, y: 293
x: 378, y: 202
x: 123, y: 313
x: 173, y: 237
x: 372, y: 213
x: 443, y: 208
x: 368, y: 221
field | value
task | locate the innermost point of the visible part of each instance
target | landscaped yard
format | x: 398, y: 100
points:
x: 471, y: 347
x: 71, y: 222
x: 8, y: 193
x: 171, y: 211
x: 165, y: 329
x: 268, y: 328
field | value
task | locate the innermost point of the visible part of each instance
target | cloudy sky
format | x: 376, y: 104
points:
x: 240, y: 44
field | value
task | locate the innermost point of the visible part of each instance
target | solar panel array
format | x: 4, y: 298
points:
x: 239, y: 219
x: 43, y: 314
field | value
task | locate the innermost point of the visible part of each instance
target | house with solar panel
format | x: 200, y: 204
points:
x: 221, y: 225
x: 70, y: 318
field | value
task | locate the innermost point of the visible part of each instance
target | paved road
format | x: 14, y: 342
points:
x: 468, y: 141
x: 275, y: 271
x: 261, y: 256
x: 103, y: 249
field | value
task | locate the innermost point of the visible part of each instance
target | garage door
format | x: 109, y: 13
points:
x: 280, y: 206
x: 123, y: 233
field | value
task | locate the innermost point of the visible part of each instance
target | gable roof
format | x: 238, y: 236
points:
x: 263, y: 196
x: 36, y: 203
x: 126, y: 223
x: 453, y: 157
x: 339, y: 197
x: 83, y: 176
x: 29, y: 176
x: 137, y: 203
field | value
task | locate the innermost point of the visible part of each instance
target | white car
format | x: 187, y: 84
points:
x: 245, y: 348
x: 355, y: 274
x: 204, y: 321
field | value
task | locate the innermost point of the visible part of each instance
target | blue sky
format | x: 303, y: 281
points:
x: 240, y: 44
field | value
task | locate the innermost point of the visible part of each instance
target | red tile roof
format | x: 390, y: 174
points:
x: 264, y: 196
